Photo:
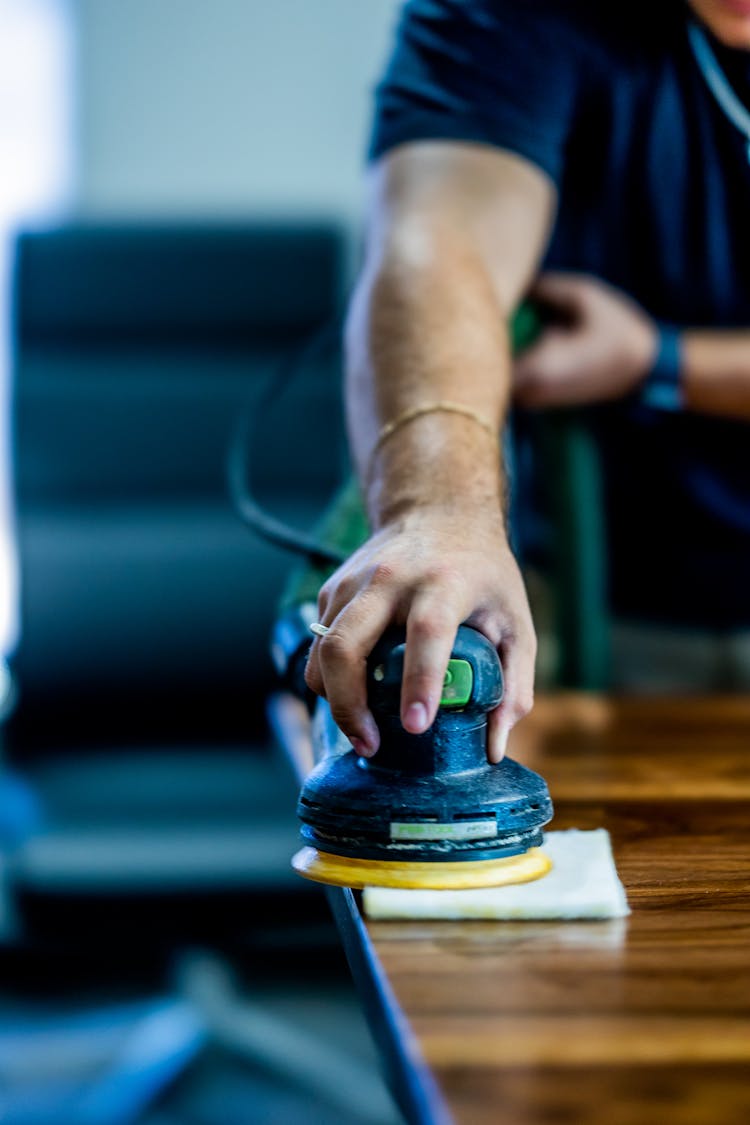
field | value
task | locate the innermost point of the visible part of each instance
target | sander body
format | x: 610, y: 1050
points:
x: 429, y: 810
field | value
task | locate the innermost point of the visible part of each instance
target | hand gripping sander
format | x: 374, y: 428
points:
x: 428, y: 811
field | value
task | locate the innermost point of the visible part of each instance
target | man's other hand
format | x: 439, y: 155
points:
x: 600, y: 346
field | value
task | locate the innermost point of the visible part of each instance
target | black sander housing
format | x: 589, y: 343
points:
x: 428, y: 804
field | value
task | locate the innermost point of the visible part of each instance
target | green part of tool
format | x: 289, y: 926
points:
x: 457, y: 685
x: 524, y: 328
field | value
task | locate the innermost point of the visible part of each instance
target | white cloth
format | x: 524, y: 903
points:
x: 583, y: 883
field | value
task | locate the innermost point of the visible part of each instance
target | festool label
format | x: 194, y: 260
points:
x: 432, y: 830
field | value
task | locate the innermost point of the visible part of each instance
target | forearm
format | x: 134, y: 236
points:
x: 716, y: 372
x: 422, y: 332
x: 455, y: 235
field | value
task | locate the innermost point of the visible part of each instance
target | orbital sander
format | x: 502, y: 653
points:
x: 428, y: 810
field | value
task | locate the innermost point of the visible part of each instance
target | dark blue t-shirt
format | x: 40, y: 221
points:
x: 654, y: 186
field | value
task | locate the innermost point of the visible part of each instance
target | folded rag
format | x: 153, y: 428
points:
x: 583, y: 883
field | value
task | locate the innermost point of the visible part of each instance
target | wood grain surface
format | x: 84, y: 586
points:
x: 642, y: 1020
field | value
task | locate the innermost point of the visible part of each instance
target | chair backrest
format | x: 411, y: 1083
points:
x: 137, y: 349
x: 137, y: 346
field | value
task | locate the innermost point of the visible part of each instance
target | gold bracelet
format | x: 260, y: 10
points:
x: 430, y: 408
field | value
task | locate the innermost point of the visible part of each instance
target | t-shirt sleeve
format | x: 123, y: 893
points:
x: 498, y: 72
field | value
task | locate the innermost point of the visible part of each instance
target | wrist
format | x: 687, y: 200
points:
x: 439, y: 464
x: 662, y: 389
x: 410, y: 509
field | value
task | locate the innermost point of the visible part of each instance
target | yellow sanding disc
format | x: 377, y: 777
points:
x: 343, y: 871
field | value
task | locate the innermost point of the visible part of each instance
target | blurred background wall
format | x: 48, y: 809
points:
x: 181, y: 114
x: 225, y: 107
x: 179, y: 110
x: 37, y: 155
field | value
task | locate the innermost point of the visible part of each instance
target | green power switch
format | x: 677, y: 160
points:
x: 457, y: 685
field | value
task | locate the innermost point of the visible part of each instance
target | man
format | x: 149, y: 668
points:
x: 616, y: 132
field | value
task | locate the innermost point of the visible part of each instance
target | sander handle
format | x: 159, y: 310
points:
x: 457, y: 739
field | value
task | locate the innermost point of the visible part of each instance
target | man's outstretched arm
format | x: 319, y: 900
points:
x: 455, y: 234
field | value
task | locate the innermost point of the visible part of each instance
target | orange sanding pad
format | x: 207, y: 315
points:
x: 343, y: 871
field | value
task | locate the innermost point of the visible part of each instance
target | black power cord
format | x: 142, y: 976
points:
x: 243, y: 440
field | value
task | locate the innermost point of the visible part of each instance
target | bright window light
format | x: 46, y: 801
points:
x: 35, y: 158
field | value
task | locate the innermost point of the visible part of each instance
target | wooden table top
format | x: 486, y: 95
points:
x: 643, y: 1019
x: 639, y: 1020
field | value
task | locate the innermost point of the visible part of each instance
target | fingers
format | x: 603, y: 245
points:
x: 337, y: 668
x: 338, y: 662
x: 544, y: 359
x: 518, y: 656
x: 395, y: 578
x: 430, y: 634
x: 338, y: 665
x: 498, y: 729
x: 565, y: 292
x: 542, y: 375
